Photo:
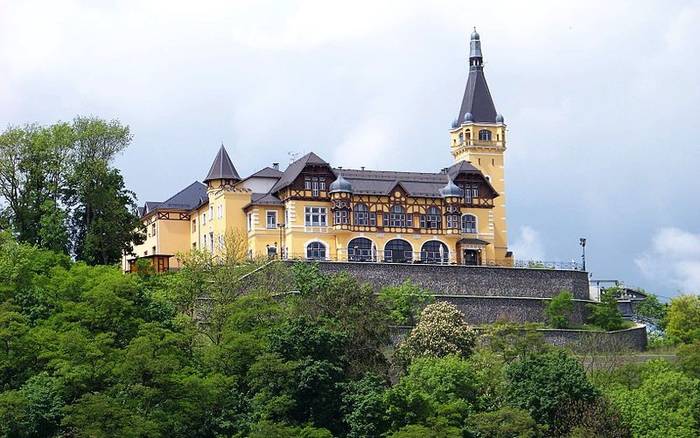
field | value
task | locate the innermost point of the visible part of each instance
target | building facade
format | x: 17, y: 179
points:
x: 313, y: 210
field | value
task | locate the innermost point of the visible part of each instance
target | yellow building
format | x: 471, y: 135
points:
x: 312, y: 210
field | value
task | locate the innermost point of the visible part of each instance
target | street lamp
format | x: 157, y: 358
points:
x: 281, y: 227
x: 582, y: 242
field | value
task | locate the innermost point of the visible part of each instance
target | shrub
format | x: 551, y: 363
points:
x: 506, y: 422
x: 605, y: 314
x: 404, y: 302
x: 651, y: 308
x: 689, y: 358
x: 558, y: 310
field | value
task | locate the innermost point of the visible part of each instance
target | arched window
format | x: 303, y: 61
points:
x: 315, y: 251
x: 397, y: 217
x: 461, y: 138
x: 469, y: 133
x: 360, y: 250
x: 432, y: 219
x: 363, y: 216
x: 469, y: 223
x: 398, y: 251
x: 484, y: 135
x: 434, y: 251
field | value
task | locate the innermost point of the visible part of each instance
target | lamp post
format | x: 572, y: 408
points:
x: 281, y: 254
x: 582, y: 242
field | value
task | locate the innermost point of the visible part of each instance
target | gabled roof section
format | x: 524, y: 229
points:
x: 418, y: 184
x: 266, y: 172
x: 461, y: 167
x: 293, y: 170
x: 188, y: 198
x: 222, y: 167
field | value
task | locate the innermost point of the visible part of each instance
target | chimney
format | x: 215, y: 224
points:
x: 363, y: 167
x: 444, y: 170
x: 276, y: 166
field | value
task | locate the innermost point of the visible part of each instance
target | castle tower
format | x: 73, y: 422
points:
x: 479, y: 136
x: 223, y: 214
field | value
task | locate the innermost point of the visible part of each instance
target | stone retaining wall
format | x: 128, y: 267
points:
x: 468, y: 280
x: 581, y: 341
x: 487, y: 310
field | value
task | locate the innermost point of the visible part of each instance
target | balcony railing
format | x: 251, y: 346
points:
x: 426, y: 258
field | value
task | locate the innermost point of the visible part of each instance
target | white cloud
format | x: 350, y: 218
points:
x: 528, y: 245
x: 673, y: 256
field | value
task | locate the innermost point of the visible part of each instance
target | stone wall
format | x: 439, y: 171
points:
x: 632, y: 339
x: 468, y: 280
x: 580, y: 341
x: 486, y: 310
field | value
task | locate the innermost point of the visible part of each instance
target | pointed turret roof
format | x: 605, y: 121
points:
x: 477, y: 99
x: 222, y: 167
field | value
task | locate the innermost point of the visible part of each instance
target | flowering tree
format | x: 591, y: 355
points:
x: 441, y: 331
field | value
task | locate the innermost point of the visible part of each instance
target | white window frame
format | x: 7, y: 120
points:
x: 315, y: 216
x: 250, y: 221
x: 476, y: 224
x: 220, y: 211
x: 269, y: 226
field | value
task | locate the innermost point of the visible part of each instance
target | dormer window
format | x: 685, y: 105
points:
x: 315, y: 184
x: 485, y: 135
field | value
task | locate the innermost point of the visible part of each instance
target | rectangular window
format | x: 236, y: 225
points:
x: 315, y: 216
x: 452, y: 221
x: 211, y: 242
x: 153, y: 229
x: 194, y: 225
x: 250, y: 221
x: 315, y: 184
x: 430, y: 221
x: 204, y: 218
x: 341, y: 217
x: 271, y: 219
x: 204, y: 241
x: 211, y: 212
x: 220, y: 211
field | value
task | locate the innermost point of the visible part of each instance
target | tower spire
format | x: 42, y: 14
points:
x: 476, y: 60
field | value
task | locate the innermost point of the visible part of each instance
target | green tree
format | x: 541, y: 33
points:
x: 364, y: 407
x: 651, y: 308
x: 558, y: 310
x: 605, y: 314
x: 433, y: 388
x: 684, y: 318
x: 34, y: 166
x: 441, y: 331
x: 405, y: 302
x: 506, y: 422
x: 104, y: 224
x: 541, y: 383
x: 664, y: 402
x: 689, y: 358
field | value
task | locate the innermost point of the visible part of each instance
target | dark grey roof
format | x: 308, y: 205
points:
x: 419, y: 184
x: 266, y: 172
x: 264, y: 199
x: 222, y: 167
x: 477, y: 97
x: 340, y: 185
x: 186, y: 199
x: 293, y: 170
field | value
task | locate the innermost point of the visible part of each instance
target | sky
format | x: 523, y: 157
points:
x: 601, y: 99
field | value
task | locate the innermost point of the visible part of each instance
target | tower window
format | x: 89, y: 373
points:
x: 485, y: 135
